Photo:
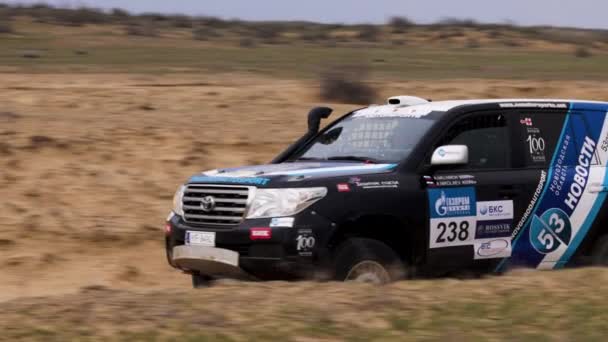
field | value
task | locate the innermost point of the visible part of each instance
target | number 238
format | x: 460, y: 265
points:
x: 453, y: 230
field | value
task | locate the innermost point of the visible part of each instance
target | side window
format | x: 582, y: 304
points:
x: 535, y: 137
x: 486, y: 136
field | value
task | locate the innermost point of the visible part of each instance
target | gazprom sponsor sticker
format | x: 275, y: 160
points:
x: 452, y: 202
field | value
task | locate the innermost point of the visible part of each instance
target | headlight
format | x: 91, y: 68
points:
x: 177, y: 201
x: 283, y: 202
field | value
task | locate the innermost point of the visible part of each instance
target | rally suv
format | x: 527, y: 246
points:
x: 410, y: 188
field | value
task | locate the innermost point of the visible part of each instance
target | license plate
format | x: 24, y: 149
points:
x: 200, y: 238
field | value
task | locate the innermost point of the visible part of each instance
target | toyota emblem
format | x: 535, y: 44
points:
x: 207, y: 203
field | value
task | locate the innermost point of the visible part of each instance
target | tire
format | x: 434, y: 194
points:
x: 599, y: 256
x: 201, y: 281
x: 367, y: 261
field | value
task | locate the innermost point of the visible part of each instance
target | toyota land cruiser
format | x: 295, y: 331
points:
x: 410, y: 188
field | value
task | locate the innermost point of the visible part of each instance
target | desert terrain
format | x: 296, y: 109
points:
x: 93, y: 144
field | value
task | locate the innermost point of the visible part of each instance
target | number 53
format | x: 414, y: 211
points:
x: 546, y: 239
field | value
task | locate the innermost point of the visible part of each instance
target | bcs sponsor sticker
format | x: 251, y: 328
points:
x: 260, y: 234
x: 495, y: 210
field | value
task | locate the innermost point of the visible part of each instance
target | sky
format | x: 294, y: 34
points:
x: 575, y: 13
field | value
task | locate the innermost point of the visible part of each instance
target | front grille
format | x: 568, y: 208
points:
x: 230, y: 204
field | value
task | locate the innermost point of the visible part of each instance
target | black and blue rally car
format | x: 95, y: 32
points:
x: 409, y: 188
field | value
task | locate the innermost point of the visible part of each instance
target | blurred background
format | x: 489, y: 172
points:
x: 107, y: 106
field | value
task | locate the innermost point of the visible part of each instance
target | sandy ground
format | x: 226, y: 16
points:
x: 89, y: 163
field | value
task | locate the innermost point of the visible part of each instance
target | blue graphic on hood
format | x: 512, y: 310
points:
x: 263, y: 174
x: 230, y: 180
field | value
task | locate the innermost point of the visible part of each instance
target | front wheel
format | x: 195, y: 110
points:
x: 367, y: 261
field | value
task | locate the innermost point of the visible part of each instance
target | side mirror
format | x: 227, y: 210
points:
x: 450, y: 155
x: 315, y: 116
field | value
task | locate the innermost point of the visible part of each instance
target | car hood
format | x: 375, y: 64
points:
x: 266, y: 175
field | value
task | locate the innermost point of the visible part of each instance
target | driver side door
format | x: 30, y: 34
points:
x: 471, y: 205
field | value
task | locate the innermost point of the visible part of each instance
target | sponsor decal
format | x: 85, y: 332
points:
x: 526, y: 121
x: 559, y: 218
x: 532, y: 204
x: 458, y: 220
x: 282, y: 222
x: 560, y: 171
x: 498, y: 248
x: 534, y: 105
x: 455, y: 180
x: 536, y: 146
x: 305, y: 242
x: 493, y: 229
x: 343, y: 187
x: 429, y: 181
x: 494, y: 219
x: 452, y: 202
x: 604, y: 144
x: 260, y: 233
x: 495, y: 210
x: 388, y: 184
x: 453, y: 212
x: 535, y: 142
x: 581, y: 173
x: 379, y: 185
x: 230, y: 180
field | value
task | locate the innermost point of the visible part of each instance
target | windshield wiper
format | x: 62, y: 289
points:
x: 355, y: 158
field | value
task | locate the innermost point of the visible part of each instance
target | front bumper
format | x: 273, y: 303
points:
x: 237, y: 255
x: 209, y: 260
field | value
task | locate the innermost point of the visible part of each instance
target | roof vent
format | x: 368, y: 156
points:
x: 406, y: 100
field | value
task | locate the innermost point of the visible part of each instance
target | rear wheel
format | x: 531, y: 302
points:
x: 600, y: 252
x: 367, y: 261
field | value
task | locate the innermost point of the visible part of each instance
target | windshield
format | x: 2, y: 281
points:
x: 377, y: 139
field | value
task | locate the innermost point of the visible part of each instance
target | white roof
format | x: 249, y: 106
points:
x: 444, y: 106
